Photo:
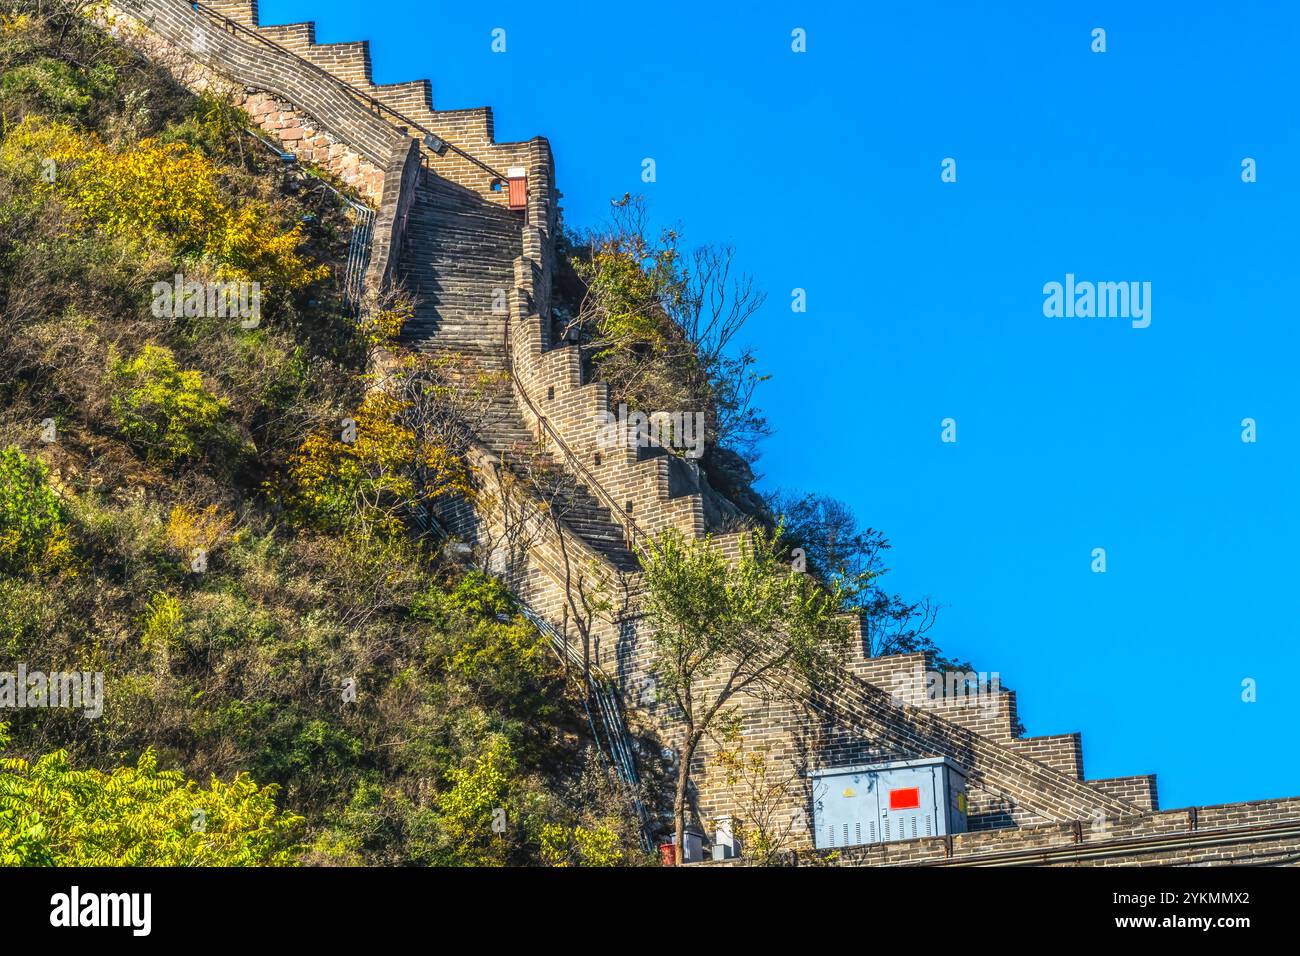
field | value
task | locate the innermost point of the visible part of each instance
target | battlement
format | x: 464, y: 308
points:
x: 470, y: 130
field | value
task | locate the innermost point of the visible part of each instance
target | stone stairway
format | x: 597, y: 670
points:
x: 458, y: 262
x: 459, y: 254
x: 654, y: 490
x: 647, y: 490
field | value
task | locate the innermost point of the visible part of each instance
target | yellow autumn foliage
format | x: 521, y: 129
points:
x: 381, y: 326
x: 13, y: 23
x: 162, y: 195
x: 189, y: 529
x: 372, y: 470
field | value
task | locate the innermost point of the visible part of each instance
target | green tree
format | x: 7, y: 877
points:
x: 720, y: 630
x: 661, y: 324
x: 836, y: 546
x: 474, y: 812
x: 760, y: 791
x: 580, y: 846
x: 52, y: 814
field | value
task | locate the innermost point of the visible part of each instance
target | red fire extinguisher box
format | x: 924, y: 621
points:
x: 518, y: 178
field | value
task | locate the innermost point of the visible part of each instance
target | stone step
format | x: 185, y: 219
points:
x: 461, y: 235
x: 446, y: 194
x: 504, y: 220
x: 459, y: 251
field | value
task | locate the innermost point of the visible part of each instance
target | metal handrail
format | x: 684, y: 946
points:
x: 601, y: 690
x: 359, y: 254
x: 234, y: 26
x: 359, y: 241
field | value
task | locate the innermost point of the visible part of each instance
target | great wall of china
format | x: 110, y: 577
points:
x: 446, y: 229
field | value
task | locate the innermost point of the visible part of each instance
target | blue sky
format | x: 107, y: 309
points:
x: 925, y: 302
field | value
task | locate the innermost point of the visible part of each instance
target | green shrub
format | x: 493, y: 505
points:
x: 47, y: 84
x: 459, y: 707
x: 580, y: 846
x: 163, y: 410
x: 475, y: 812
x: 32, y: 532
x: 213, y: 126
x: 481, y: 596
x: 488, y: 643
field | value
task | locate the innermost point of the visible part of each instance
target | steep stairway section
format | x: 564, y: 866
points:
x: 655, y: 491
x: 644, y: 493
x: 647, y: 493
x: 458, y: 261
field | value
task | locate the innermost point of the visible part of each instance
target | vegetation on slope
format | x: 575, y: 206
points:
x: 289, y: 675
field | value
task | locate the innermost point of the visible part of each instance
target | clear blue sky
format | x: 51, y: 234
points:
x: 925, y: 302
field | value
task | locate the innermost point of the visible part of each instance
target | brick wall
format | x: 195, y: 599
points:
x: 550, y: 373
x: 299, y: 133
x: 470, y: 131
x: 322, y: 123
x: 395, y: 202
x: 200, y: 50
x: 1061, y: 752
x: 1139, y: 791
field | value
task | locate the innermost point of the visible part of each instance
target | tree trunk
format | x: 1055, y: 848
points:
x: 679, y: 802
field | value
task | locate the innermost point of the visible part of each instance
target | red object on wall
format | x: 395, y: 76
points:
x: 518, y: 192
x: 909, y: 798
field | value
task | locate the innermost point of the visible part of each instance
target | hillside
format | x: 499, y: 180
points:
x: 178, y: 514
